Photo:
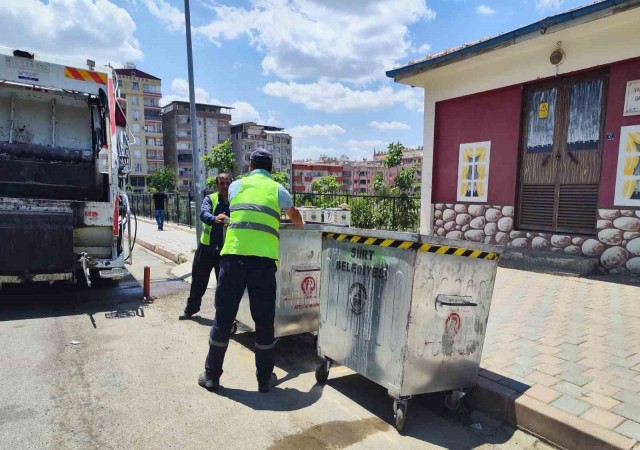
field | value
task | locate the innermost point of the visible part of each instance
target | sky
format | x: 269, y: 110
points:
x: 314, y: 67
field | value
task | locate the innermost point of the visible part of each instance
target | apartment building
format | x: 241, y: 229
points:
x: 142, y: 93
x: 213, y: 128
x: 304, y: 173
x: 248, y: 136
x: 410, y: 157
x: 355, y: 177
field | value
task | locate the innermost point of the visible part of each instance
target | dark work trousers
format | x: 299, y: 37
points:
x: 258, y: 275
x: 205, y: 260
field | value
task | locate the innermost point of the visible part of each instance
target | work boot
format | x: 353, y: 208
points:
x: 206, y: 380
x: 266, y: 387
x: 188, y: 314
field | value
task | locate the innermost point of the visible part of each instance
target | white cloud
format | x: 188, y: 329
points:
x: 242, y: 112
x: 424, y: 49
x: 305, y: 131
x: 335, y: 97
x: 171, y: 16
x: 353, y: 40
x: 388, y: 126
x: 485, y: 10
x: 71, y: 29
x: 543, y: 5
x: 364, y: 149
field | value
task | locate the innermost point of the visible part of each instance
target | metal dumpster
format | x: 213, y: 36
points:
x: 298, y: 278
x: 407, y: 311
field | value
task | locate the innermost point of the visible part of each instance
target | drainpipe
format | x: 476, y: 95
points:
x: 426, y: 190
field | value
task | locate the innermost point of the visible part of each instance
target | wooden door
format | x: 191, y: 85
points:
x: 561, y: 153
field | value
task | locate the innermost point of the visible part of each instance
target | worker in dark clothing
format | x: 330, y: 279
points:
x: 214, y: 213
x: 249, y: 261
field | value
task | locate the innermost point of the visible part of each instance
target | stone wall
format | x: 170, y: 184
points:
x: 617, y: 244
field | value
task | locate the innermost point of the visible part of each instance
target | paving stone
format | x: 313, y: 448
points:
x: 572, y: 367
x: 627, y: 397
x: 599, y: 400
x: 571, y: 405
x: 628, y: 385
x: 547, y: 349
x: 525, y: 361
x: 569, y: 347
x: 522, y: 342
x: 593, y: 363
x: 570, y: 355
x: 549, y: 369
x: 621, y: 372
x: 630, y: 429
x: 519, y: 370
x: 622, y: 362
x: 542, y: 393
x: 621, y: 352
x: 628, y: 410
x: 600, y: 375
x: 569, y: 389
x: 603, y: 418
x: 573, y: 340
x: 549, y: 359
x: 576, y: 378
x: 600, y: 388
x: 524, y: 351
x: 543, y: 378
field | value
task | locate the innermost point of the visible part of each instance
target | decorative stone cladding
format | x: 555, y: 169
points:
x: 616, y: 245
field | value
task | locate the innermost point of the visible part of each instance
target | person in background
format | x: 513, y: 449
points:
x: 160, y: 201
x: 249, y: 261
x: 214, y: 213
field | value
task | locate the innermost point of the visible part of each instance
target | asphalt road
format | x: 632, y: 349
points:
x: 99, y: 369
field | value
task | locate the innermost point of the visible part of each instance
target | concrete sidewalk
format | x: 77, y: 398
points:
x: 561, y: 356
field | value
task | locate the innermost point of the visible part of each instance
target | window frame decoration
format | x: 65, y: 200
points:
x: 478, y: 181
x: 628, y: 171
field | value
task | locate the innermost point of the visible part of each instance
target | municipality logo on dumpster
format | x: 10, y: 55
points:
x: 357, y: 297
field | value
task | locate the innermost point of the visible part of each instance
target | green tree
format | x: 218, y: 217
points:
x: 378, y: 183
x: 325, y: 185
x: 221, y: 159
x: 394, y: 157
x: 282, y: 178
x: 163, y: 179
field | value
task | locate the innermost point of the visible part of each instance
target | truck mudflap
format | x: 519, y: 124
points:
x: 36, y: 243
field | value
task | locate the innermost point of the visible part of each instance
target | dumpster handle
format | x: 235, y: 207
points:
x: 462, y: 303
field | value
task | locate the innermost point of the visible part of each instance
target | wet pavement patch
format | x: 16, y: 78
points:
x: 331, y: 435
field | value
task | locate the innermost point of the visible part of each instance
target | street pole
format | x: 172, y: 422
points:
x: 198, y: 185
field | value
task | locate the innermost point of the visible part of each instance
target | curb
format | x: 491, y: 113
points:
x: 544, y: 421
x: 177, y: 258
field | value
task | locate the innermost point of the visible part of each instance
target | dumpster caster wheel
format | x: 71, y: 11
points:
x: 322, y: 371
x: 453, y: 400
x: 400, y: 409
x: 234, y: 328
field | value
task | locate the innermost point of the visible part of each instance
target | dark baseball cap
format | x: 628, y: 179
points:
x: 261, y: 155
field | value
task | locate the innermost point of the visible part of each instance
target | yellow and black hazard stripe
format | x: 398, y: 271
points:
x: 410, y: 245
x: 85, y: 75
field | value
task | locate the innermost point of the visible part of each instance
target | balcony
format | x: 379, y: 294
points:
x: 155, y: 155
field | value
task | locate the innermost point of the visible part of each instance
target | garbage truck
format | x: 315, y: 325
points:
x: 64, y: 163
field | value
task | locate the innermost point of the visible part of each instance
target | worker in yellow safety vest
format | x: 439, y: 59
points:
x: 249, y: 261
x: 213, y: 213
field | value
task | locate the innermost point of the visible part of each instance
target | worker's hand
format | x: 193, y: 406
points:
x: 220, y: 218
x: 295, y: 216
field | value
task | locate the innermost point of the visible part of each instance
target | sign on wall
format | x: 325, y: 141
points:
x: 473, y: 172
x: 628, y: 174
x: 632, y: 99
